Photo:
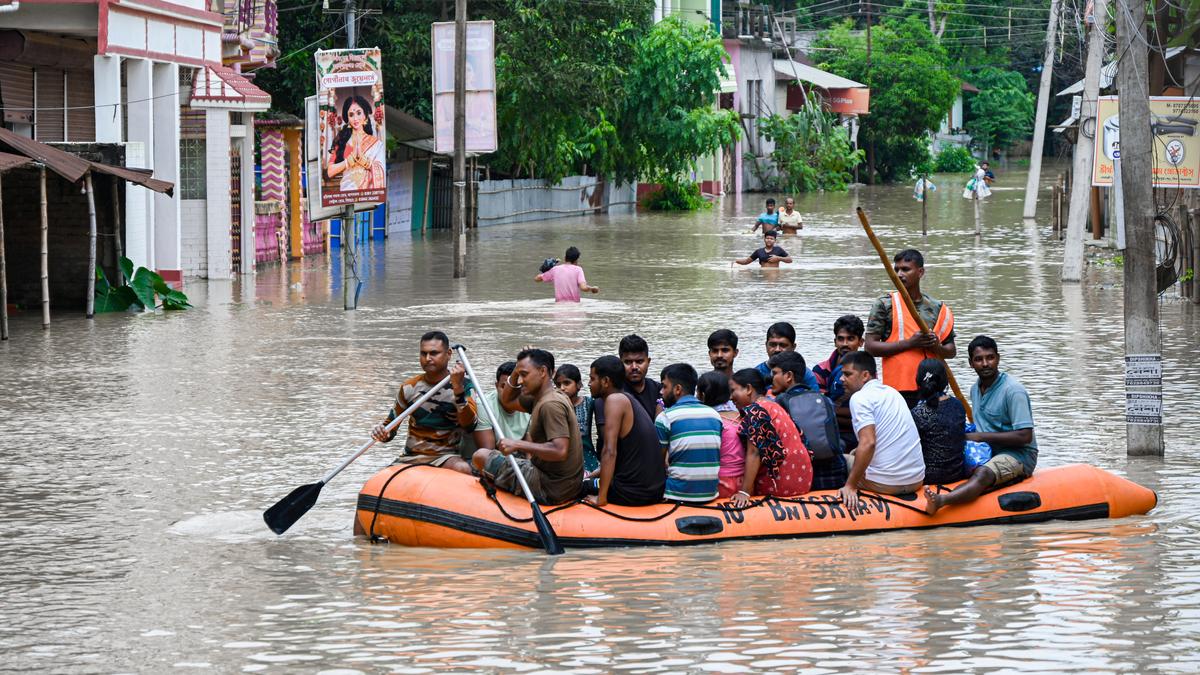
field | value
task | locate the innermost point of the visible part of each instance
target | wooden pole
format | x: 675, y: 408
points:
x: 1143, y: 351
x: 91, y: 285
x: 1039, y: 125
x: 1097, y: 214
x: 910, y: 305
x: 3, y: 275
x: 45, y: 255
x: 924, y: 205
x: 1185, y: 246
x: 116, y: 207
x: 1055, y: 199
x: 459, y: 220
x: 978, y: 216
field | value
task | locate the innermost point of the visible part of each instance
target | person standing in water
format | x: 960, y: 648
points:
x: 568, y: 278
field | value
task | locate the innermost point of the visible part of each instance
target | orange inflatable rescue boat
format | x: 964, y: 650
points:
x: 427, y: 506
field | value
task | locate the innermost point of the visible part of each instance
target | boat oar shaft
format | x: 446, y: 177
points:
x: 910, y: 305
x: 549, y: 538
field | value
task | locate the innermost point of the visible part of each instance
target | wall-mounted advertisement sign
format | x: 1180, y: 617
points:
x: 1173, y: 120
x: 350, y: 127
x: 480, y: 87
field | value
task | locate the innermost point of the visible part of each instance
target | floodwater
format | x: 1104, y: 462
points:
x: 138, y: 453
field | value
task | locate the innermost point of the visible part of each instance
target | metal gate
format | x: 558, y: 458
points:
x: 235, y: 208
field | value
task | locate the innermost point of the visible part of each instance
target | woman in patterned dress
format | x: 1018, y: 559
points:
x: 777, y: 462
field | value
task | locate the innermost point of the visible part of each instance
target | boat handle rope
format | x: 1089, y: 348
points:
x: 374, y: 538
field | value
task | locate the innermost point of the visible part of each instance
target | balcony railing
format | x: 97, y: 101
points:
x: 747, y: 21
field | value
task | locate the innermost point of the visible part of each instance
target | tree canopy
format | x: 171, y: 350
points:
x: 1002, y: 111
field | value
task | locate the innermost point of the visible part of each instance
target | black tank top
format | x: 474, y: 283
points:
x: 641, y: 472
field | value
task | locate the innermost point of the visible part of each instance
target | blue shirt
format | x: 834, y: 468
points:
x: 769, y: 218
x: 690, y: 433
x: 809, y: 381
x: 1005, y: 407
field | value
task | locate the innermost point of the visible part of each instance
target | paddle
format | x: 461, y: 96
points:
x: 912, y: 307
x: 545, y: 532
x: 291, y: 508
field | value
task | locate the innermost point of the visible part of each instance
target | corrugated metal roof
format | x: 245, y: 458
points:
x: 73, y: 167
x: 137, y: 176
x: 8, y: 161
x: 794, y: 70
x: 218, y: 86
x: 1108, y: 74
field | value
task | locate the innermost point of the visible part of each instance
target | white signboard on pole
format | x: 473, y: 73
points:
x: 480, y: 87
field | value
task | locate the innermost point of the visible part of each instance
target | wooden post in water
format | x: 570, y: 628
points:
x: 45, y: 255
x: 3, y: 275
x: 1055, y: 206
x: 978, y: 217
x: 1097, y: 215
x: 924, y: 205
x: 1185, y: 227
x: 116, y: 208
x: 91, y: 285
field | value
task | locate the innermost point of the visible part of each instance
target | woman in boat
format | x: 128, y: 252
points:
x: 569, y: 381
x: 713, y: 390
x: 357, y: 155
x: 777, y: 462
x: 940, y: 421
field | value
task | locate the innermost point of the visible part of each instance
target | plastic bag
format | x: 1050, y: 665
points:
x: 975, y: 453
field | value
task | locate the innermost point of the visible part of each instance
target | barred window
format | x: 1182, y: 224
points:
x: 193, y: 178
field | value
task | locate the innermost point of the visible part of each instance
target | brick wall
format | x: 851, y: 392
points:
x: 193, y: 225
x: 67, y: 211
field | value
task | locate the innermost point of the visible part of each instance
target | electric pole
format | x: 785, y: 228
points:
x: 1039, y: 126
x: 1081, y: 170
x: 348, y: 237
x: 460, y: 138
x: 1143, y: 352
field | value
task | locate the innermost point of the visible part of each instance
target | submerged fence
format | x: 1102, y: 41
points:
x: 515, y: 201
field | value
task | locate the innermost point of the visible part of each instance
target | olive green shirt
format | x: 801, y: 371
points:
x: 880, y: 321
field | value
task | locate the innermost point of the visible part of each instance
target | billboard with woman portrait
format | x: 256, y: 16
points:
x: 350, y: 127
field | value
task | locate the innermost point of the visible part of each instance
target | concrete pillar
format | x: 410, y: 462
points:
x: 106, y: 80
x: 217, y: 146
x: 167, y: 252
x: 139, y: 81
x: 248, y: 197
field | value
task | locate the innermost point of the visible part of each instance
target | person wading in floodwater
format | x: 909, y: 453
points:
x: 568, y: 278
x: 893, y: 334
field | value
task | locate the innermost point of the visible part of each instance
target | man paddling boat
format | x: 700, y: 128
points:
x: 894, y: 336
x: 437, y: 428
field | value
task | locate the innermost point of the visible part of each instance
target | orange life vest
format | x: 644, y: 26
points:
x: 900, y: 371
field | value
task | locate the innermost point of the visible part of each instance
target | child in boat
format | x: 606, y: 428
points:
x: 713, y: 391
x: 569, y: 381
x: 940, y: 421
x: 777, y: 463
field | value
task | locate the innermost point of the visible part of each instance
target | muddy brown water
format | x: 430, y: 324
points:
x: 138, y: 453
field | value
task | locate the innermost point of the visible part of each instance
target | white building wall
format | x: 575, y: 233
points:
x: 106, y: 77
x: 218, y: 242
x: 139, y: 92
x: 139, y: 235
x: 248, y: 156
x: 166, y: 165
x: 193, y: 218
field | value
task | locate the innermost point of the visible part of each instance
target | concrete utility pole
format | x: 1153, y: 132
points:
x: 1039, y: 126
x: 348, y: 238
x: 1081, y: 169
x: 459, y: 218
x: 1143, y: 353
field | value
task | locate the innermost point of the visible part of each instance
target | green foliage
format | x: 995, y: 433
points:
x: 954, y: 159
x: 140, y: 292
x: 912, y: 87
x: 812, y: 151
x: 676, y: 196
x: 667, y: 117
x: 1002, y: 111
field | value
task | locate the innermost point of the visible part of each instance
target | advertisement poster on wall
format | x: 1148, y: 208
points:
x: 1173, y: 122
x: 480, y: 87
x: 350, y: 127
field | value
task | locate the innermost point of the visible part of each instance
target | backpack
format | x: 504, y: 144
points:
x: 815, y: 417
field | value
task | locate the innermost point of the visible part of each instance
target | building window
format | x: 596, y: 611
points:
x: 193, y: 178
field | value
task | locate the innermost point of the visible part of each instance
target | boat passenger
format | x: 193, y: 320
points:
x: 769, y: 255
x: 635, y: 355
x: 569, y: 381
x: 790, y: 221
x: 513, y: 424
x: 893, y: 335
x: 713, y: 390
x: 553, y: 453
x: 781, y: 337
x: 767, y: 219
x: 847, y: 337
x: 777, y: 463
x: 940, y: 421
x: 568, y: 278
x: 722, y: 351
x: 632, y: 471
x: 888, y: 459
x: 690, y: 435
x: 438, y: 427
x: 1004, y: 418
x: 829, y: 467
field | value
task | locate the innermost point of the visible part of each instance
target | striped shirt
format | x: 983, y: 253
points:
x: 690, y: 433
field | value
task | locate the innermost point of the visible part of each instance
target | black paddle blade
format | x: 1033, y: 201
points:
x: 291, y: 508
x: 549, y: 539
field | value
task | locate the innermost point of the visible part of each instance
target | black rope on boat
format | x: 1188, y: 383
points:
x: 374, y: 538
x: 631, y: 518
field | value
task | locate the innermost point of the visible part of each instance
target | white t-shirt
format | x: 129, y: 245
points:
x: 793, y: 219
x: 898, y: 459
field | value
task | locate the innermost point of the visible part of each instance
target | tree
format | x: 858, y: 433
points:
x: 1002, y: 111
x: 812, y: 151
x: 912, y: 87
x: 669, y: 117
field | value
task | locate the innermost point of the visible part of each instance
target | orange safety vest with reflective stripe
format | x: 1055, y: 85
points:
x: 900, y: 371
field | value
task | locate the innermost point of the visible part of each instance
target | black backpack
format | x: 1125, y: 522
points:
x: 816, y: 418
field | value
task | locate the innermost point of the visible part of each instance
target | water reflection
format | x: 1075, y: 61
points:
x: 138, y: 453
